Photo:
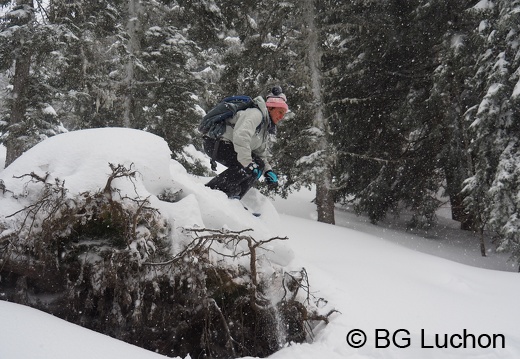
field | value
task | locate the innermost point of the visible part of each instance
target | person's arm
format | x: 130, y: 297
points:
x: 245, y: 127
x: 263, y: 153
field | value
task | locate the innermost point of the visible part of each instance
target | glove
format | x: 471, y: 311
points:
x: 271, y: 179
x: 253, y: 170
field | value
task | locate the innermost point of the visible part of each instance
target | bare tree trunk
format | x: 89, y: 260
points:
x: 134, y: 8
x: 324, y: 195
x: 456, y: 176
x: 14, y: 146
x: 482, y: 243
x: 325, y: 204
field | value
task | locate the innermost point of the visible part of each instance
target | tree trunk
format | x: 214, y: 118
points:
x: 134, y: 8
x: 482, y: 243
x: 459, y: 214
x: 325, y: 203
x: 323, y: 180
x: 458, y: 164
x: 14, y: 146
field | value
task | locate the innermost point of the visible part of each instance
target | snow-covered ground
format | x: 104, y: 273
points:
x: 406, y: 292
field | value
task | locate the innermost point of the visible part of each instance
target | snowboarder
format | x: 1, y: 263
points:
x: 243, y: 148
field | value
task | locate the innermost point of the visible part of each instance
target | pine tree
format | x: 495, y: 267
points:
x: 378, y: 67
x: 493, y: 188
x: 450, y: 95
x: 322, y: 158
x: 179, y: 64
x: 257, y: 58
x: 132, y: 65
x: 397, y: 130
x: 86, y: 71
x: 27, y: 43
x: 296, y: 136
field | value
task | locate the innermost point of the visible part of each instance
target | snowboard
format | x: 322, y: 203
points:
x: 256, y: 214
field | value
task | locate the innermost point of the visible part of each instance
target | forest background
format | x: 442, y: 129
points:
x: 394, y: 104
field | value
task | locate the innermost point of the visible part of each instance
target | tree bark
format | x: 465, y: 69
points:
x: 134, y: 8
x: 323, y: 180
x: 325, y: 203
x: 14, y: 146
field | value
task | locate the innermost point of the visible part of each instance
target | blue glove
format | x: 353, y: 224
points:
x: 271, y: 178
x: 253, y: 170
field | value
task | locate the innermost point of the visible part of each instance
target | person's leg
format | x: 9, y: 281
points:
x: 233, y: 181
x: 229, y: 180
x: 248, y: 183
x: 225, y: 153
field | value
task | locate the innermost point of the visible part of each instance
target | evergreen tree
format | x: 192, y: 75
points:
x: 258, y: 57
x: 319, y: 163
x: 85, y: 74
x: 180, y: 64
x: 132, y: 65
x: 391, y: 67
x: 377, y: 74
x: 301, y: 150
x: 450, y: 94
x: 493, y: 188
x: 26, y: 44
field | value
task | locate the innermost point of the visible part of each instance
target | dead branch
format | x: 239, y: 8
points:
x: 324, y: 318
x: 298, y: 281
x: 118, y: 171
x: 141, y: 206
x: 35, y: 177
x: 203, y: 241
x: 52, y: 200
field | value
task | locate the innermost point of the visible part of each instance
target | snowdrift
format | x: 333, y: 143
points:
x: 81, y: 160
x: 101, y: 227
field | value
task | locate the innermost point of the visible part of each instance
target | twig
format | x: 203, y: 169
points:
x: 34, y: 176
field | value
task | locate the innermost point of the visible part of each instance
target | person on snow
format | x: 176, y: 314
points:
x: 243, y: 148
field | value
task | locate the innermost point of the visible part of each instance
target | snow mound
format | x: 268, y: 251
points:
x: 81, y: 160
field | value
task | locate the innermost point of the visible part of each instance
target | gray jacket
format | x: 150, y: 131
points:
x: 241, y: 131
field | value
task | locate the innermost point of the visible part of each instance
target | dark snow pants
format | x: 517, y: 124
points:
x: 234, y: 181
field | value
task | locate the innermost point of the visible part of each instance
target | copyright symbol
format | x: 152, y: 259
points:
x: 356, y: 338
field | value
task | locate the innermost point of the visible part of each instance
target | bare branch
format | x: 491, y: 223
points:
x: 35, y: 177
x: 118, y: 171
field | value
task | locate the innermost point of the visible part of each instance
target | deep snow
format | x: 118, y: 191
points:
x: 377, y: 277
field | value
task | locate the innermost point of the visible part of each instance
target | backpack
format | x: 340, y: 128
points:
x: 213, y: 124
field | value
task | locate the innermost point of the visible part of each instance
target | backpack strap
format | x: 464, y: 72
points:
x: 265, y: 119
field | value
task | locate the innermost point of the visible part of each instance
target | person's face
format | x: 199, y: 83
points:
x: 276, y: 113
